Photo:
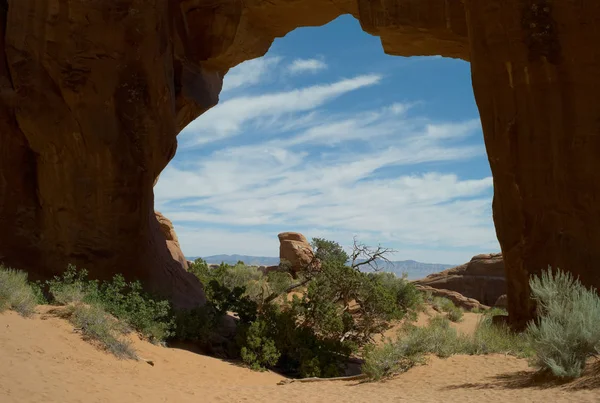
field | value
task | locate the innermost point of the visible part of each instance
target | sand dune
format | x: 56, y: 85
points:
x: 44, y: 360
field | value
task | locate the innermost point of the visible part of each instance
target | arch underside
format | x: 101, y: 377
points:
x: 93, y: 94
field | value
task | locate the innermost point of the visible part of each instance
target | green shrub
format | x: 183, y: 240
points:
x: 455, y: 314
x: 71, y: 287
x: 492, y: 338
x: 126, y: 301
x: 259, y: 349
x: 98, y: 326
x: 15, y: 292
x: 38, y: 291
x: 411, y: 347
x: 567, y: 331
x: 388, y: 359
x: 442, y: 304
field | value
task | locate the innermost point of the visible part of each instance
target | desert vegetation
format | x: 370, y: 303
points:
x: 332, y: 314
x: 312, y: 325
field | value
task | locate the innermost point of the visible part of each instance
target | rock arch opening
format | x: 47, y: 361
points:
x: 93, y: 94
x: 335, y: 140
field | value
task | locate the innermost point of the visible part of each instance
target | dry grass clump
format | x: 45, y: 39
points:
x: 16, y: 293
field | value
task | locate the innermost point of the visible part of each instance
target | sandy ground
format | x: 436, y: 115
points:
x: 43, y: 360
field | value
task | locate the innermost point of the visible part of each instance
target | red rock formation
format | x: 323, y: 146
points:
x: 295, y: 249
x: 457, y: 299
x: 93, y: 94
x: 482, y: 279
x: 166, y: 227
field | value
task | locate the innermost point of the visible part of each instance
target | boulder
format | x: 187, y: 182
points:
x: 93, y: 95
x: 482, y: 279
x: 295, y: 249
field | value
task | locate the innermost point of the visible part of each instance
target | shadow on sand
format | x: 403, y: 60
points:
x: 537, y: 380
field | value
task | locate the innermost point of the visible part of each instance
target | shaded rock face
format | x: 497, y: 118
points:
x: 482, y: 279
x: 93, y: 94
x: 295, y: 249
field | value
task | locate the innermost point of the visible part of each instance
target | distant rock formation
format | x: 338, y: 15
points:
x: 295, y: 249
x: 482, y: 279
x: 457, y: 299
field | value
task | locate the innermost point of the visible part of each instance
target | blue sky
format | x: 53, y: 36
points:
x: 329, y: 136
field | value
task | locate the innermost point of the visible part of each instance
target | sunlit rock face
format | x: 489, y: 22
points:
x: 93, y: 94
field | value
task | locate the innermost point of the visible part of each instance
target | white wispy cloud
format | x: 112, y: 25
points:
x: 227, y: 118
x: 327, y: 174
x: 306, y: 65
x: 249, y: 73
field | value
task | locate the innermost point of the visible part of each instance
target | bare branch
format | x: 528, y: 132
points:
x: 369, y: 256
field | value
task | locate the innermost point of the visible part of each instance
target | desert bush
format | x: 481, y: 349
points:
x: 340, y: 310
x: 567, y: 330
x: 15, y: 292
x: 492, y: 338
x: 410, y: 348
x: 440, y: 339
x: 259, y: 349
x: 98, y: 326
x: 455, y: 314
x: 389, y: 359
x: 441, y: 304
x: 72, y: 287
x: 150, y: 317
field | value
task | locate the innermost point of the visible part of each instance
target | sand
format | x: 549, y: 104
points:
x: 44, y: 360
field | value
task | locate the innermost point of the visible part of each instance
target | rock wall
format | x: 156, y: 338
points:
x: 482, y: 279
x: 93, y: 94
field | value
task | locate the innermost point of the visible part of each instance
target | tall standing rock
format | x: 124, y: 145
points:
x: 295, y: 249
x: 93, y: 94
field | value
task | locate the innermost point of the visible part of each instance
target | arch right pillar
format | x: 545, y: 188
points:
x: 536, y: 77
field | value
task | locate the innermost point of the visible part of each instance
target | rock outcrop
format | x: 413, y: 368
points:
x: 166, y: 227
x: 93, y: 94
x: 457, y: 299
x: 296, y: 253
x: 482, y: 279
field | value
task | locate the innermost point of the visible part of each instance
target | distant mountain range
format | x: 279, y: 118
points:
x: 414, y: 269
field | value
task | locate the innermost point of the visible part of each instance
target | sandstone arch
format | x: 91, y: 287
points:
x: 94, y: 92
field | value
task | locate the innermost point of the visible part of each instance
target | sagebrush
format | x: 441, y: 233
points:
x: 567, y: 330
x: 98, y: 326
x: 16, y: 293
x: 440, y: 339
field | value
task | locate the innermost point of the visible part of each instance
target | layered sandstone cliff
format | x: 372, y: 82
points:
x: 482, y: 279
